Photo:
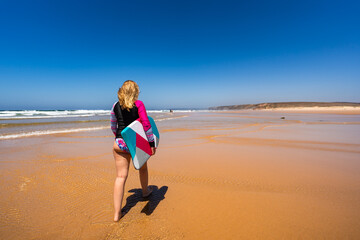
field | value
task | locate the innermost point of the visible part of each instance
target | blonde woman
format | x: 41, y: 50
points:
x: 124, y: 112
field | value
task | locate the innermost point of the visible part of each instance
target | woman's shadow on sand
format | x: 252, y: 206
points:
x: 154, y: 199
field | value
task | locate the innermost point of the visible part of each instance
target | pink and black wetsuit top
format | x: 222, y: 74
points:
x: 121, y: 118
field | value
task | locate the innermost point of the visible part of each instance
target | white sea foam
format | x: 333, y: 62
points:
x: 26, y: 114
x: 47, y: 132
x: 31, y: 114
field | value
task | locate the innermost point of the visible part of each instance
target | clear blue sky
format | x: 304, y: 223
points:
x: 183, y: 54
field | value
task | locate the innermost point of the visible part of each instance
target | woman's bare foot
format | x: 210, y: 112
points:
x: 149, y: 191
x: 117, y: 216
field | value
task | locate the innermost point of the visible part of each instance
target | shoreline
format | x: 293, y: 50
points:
x: 12, y: 129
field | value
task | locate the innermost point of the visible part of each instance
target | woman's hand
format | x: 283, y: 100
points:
x: 153, y: 150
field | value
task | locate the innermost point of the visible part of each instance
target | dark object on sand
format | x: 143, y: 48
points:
x: 282, y: 118
x: 171, y: 110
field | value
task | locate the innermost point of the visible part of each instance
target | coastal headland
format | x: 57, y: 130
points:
x: 292, y: 105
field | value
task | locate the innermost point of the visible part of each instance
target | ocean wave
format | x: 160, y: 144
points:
x: 25, y: 114
x: 32, y: 114
x: 48, y: 132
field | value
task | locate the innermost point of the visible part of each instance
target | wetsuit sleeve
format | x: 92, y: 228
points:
x: 113, y: 120
x: 145, y: 122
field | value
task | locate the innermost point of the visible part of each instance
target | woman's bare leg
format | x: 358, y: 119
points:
x: 122, y: 161
x: 144, y: 178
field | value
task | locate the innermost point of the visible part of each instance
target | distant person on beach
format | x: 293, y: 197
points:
x: 124, y: 112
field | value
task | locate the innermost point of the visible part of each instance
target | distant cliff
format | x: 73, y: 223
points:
x: 260, y: 106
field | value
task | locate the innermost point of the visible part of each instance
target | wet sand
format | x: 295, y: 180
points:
x: 218, y: 175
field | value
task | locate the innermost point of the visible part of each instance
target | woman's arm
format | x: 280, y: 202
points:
x: 113, y: 120
x: 145, y: 122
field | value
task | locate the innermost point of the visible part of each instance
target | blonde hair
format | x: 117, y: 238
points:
x: 128, y: 94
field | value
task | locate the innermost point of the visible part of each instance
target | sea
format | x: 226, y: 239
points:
x: 28, y: 123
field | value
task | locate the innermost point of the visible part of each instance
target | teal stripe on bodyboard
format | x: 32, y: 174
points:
x: 155, y: 131
x: 129, y: 137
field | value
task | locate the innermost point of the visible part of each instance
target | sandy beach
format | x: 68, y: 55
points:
x: 218, y: 175
x: 318, y: 110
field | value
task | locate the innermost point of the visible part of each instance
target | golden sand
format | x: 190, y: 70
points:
x: 224, y: 175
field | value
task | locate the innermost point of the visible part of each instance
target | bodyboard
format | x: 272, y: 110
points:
x: 137, y: 143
